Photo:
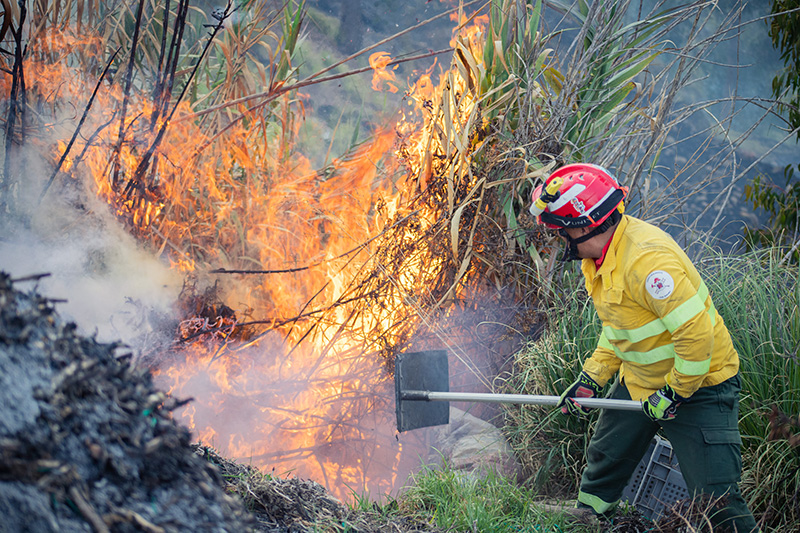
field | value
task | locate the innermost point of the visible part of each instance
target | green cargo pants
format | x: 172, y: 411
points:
x: 704, y: 436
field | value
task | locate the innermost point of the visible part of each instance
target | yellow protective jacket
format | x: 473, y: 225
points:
x: 659, y: 323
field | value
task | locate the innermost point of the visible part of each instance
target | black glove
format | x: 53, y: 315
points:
x: 662, y: 404
x: 584, y: 387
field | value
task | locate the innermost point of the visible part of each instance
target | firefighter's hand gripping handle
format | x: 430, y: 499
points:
x: 549, y: 194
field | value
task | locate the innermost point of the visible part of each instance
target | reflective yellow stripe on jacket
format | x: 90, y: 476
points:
x: 675, y: 319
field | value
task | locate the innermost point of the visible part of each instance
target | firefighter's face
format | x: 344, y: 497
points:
x: 592, y: 248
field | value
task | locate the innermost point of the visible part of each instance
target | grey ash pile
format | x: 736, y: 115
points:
x: 87, y: 443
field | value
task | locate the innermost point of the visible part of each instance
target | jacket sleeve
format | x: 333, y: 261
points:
x: 665, y: 288
x: 603, y: 363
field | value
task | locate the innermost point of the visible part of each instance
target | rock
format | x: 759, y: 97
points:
x: 572, y: 513
x: 472, y: 445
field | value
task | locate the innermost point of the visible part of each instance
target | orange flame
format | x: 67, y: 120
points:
x: 302, y: 394
x: 382, y: 79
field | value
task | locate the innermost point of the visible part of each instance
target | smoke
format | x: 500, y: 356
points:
x: 111, y: 287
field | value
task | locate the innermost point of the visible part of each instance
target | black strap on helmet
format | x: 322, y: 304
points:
x: 596, y: 213
x: 571, y: 250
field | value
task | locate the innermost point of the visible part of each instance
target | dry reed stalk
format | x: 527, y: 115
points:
x: 16, y: 109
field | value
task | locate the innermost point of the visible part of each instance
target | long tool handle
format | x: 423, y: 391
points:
x: 592, y: 403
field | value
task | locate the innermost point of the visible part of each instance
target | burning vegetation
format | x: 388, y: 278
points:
x: 300, y: 284
x: 89, y: 444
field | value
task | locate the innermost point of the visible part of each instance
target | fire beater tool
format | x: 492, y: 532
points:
x: 422, y: 392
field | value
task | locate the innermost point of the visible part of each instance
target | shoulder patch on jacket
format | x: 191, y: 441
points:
x: 659, y: 284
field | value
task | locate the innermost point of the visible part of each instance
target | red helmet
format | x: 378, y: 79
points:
x: 579, y: 195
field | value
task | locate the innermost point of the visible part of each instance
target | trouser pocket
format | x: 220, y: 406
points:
x: 723, y: 457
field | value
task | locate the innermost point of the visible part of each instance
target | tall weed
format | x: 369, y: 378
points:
x: 758, y: 296
x: 549, y: 445
x: 461, y: 502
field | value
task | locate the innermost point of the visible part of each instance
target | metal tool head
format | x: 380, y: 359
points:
x: 421, y: 371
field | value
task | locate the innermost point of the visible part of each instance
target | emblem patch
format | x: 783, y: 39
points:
x: 659, y: 284
x: 579, y: 206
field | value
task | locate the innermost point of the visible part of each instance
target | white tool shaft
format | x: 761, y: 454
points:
x: 592, y: 403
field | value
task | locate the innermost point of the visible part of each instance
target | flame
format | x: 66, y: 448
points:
x: 471, y: 29
x: 290, y: 381
x: 383, y: 78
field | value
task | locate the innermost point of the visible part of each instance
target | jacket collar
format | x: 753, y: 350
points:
x: 591, y: 272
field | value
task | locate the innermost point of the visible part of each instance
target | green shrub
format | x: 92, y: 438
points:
x: 758, y: 296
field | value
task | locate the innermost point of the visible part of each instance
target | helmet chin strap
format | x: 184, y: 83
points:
x: 571, y: 250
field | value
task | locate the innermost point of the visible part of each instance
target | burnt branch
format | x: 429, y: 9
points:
x: 158, y: 89
x: 126, y: 94
x: 177, y: 40
x: 16, y: 99
x: 78, y: 128
x: 137, y: 179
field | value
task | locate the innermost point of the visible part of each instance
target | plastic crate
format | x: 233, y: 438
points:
x: 657, y: 482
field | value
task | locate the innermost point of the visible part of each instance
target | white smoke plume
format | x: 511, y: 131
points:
x: 111, y: 287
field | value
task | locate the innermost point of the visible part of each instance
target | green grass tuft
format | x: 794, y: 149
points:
x: 457, y: 501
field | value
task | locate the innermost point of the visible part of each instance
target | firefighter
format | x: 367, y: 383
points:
x: 663, y: 340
